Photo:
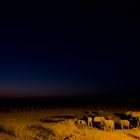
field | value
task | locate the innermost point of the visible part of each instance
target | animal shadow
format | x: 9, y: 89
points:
x: 51, y: 120
x: 56, y: 119
x: 133, y: 136
x: 64, y: 117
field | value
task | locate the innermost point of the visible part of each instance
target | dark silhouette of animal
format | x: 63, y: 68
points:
x: 127, y: 116
x: 136, y: 115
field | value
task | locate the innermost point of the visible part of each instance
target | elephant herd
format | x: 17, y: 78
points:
x: 126, y: 120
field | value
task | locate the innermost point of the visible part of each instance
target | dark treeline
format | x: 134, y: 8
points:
x: 79, y: 101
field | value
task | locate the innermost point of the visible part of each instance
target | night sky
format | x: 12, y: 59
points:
x: 68, y: 51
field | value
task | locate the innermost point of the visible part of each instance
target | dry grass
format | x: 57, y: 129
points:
x: 27, y: 126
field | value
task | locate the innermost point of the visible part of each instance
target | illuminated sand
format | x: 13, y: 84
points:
x: 27, y: 125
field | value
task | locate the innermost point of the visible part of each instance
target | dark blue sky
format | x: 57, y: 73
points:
x: 67, y: 51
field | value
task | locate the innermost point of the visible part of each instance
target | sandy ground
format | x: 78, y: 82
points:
x: 57, y: 124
